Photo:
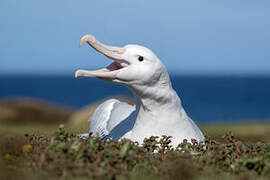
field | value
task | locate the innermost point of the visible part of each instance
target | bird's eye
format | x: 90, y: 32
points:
x: 140, y: 58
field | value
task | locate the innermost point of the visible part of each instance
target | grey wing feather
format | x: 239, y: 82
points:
x: 109, y: 115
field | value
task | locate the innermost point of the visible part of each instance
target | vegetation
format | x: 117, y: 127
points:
x: 63, y: 155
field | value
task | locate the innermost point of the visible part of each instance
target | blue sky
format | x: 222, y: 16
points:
x: 190, y: 37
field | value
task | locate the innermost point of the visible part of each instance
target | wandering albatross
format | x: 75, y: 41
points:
x: 157, y: 110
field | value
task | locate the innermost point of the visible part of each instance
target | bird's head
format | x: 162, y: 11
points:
x: 133, y: 65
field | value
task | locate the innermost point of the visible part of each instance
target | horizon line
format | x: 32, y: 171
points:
x: 203, y: 74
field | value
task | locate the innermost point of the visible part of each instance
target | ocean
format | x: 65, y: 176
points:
x: 207, y: 99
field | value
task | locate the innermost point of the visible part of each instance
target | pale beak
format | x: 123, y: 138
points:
x: 114, y: 53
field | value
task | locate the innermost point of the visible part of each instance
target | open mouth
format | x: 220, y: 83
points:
x: 114, y: 53
x: 118, y: 64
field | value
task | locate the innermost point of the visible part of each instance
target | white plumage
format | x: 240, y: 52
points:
x: 158, y: 110
x: 112, y: 119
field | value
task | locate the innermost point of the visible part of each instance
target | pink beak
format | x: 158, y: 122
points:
x: 114, y: 53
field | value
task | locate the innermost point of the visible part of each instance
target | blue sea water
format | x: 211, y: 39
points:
x: 206, y: 99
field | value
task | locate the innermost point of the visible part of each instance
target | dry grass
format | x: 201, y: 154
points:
x: 249, y: 132
x: 27, y: 110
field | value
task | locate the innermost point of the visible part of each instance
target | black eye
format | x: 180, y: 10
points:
x: 140, y: 58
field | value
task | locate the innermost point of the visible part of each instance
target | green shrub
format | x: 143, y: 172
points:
x: 67, y: 156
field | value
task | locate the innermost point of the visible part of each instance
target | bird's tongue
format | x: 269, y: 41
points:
x: 114, y: 53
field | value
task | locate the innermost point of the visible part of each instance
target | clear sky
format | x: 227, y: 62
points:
x: 189, y: 36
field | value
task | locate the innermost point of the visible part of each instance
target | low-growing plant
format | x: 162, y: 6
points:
x: 66, y: 156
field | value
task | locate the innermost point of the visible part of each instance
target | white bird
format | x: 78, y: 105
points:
x: 158, y: 110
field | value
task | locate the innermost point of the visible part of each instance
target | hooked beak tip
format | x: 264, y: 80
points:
x: 87, y: 38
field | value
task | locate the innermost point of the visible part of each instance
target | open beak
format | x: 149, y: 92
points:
x: 114, y: 53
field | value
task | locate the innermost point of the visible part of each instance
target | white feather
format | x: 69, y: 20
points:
x: 110, y: 119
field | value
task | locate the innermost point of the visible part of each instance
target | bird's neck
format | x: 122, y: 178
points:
x: 156, y: 105
x: 154, y: 94
x: 156, y: 99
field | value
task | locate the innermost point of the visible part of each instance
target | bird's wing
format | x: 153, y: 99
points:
x: 112, y: 119
x: 200, y: 136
